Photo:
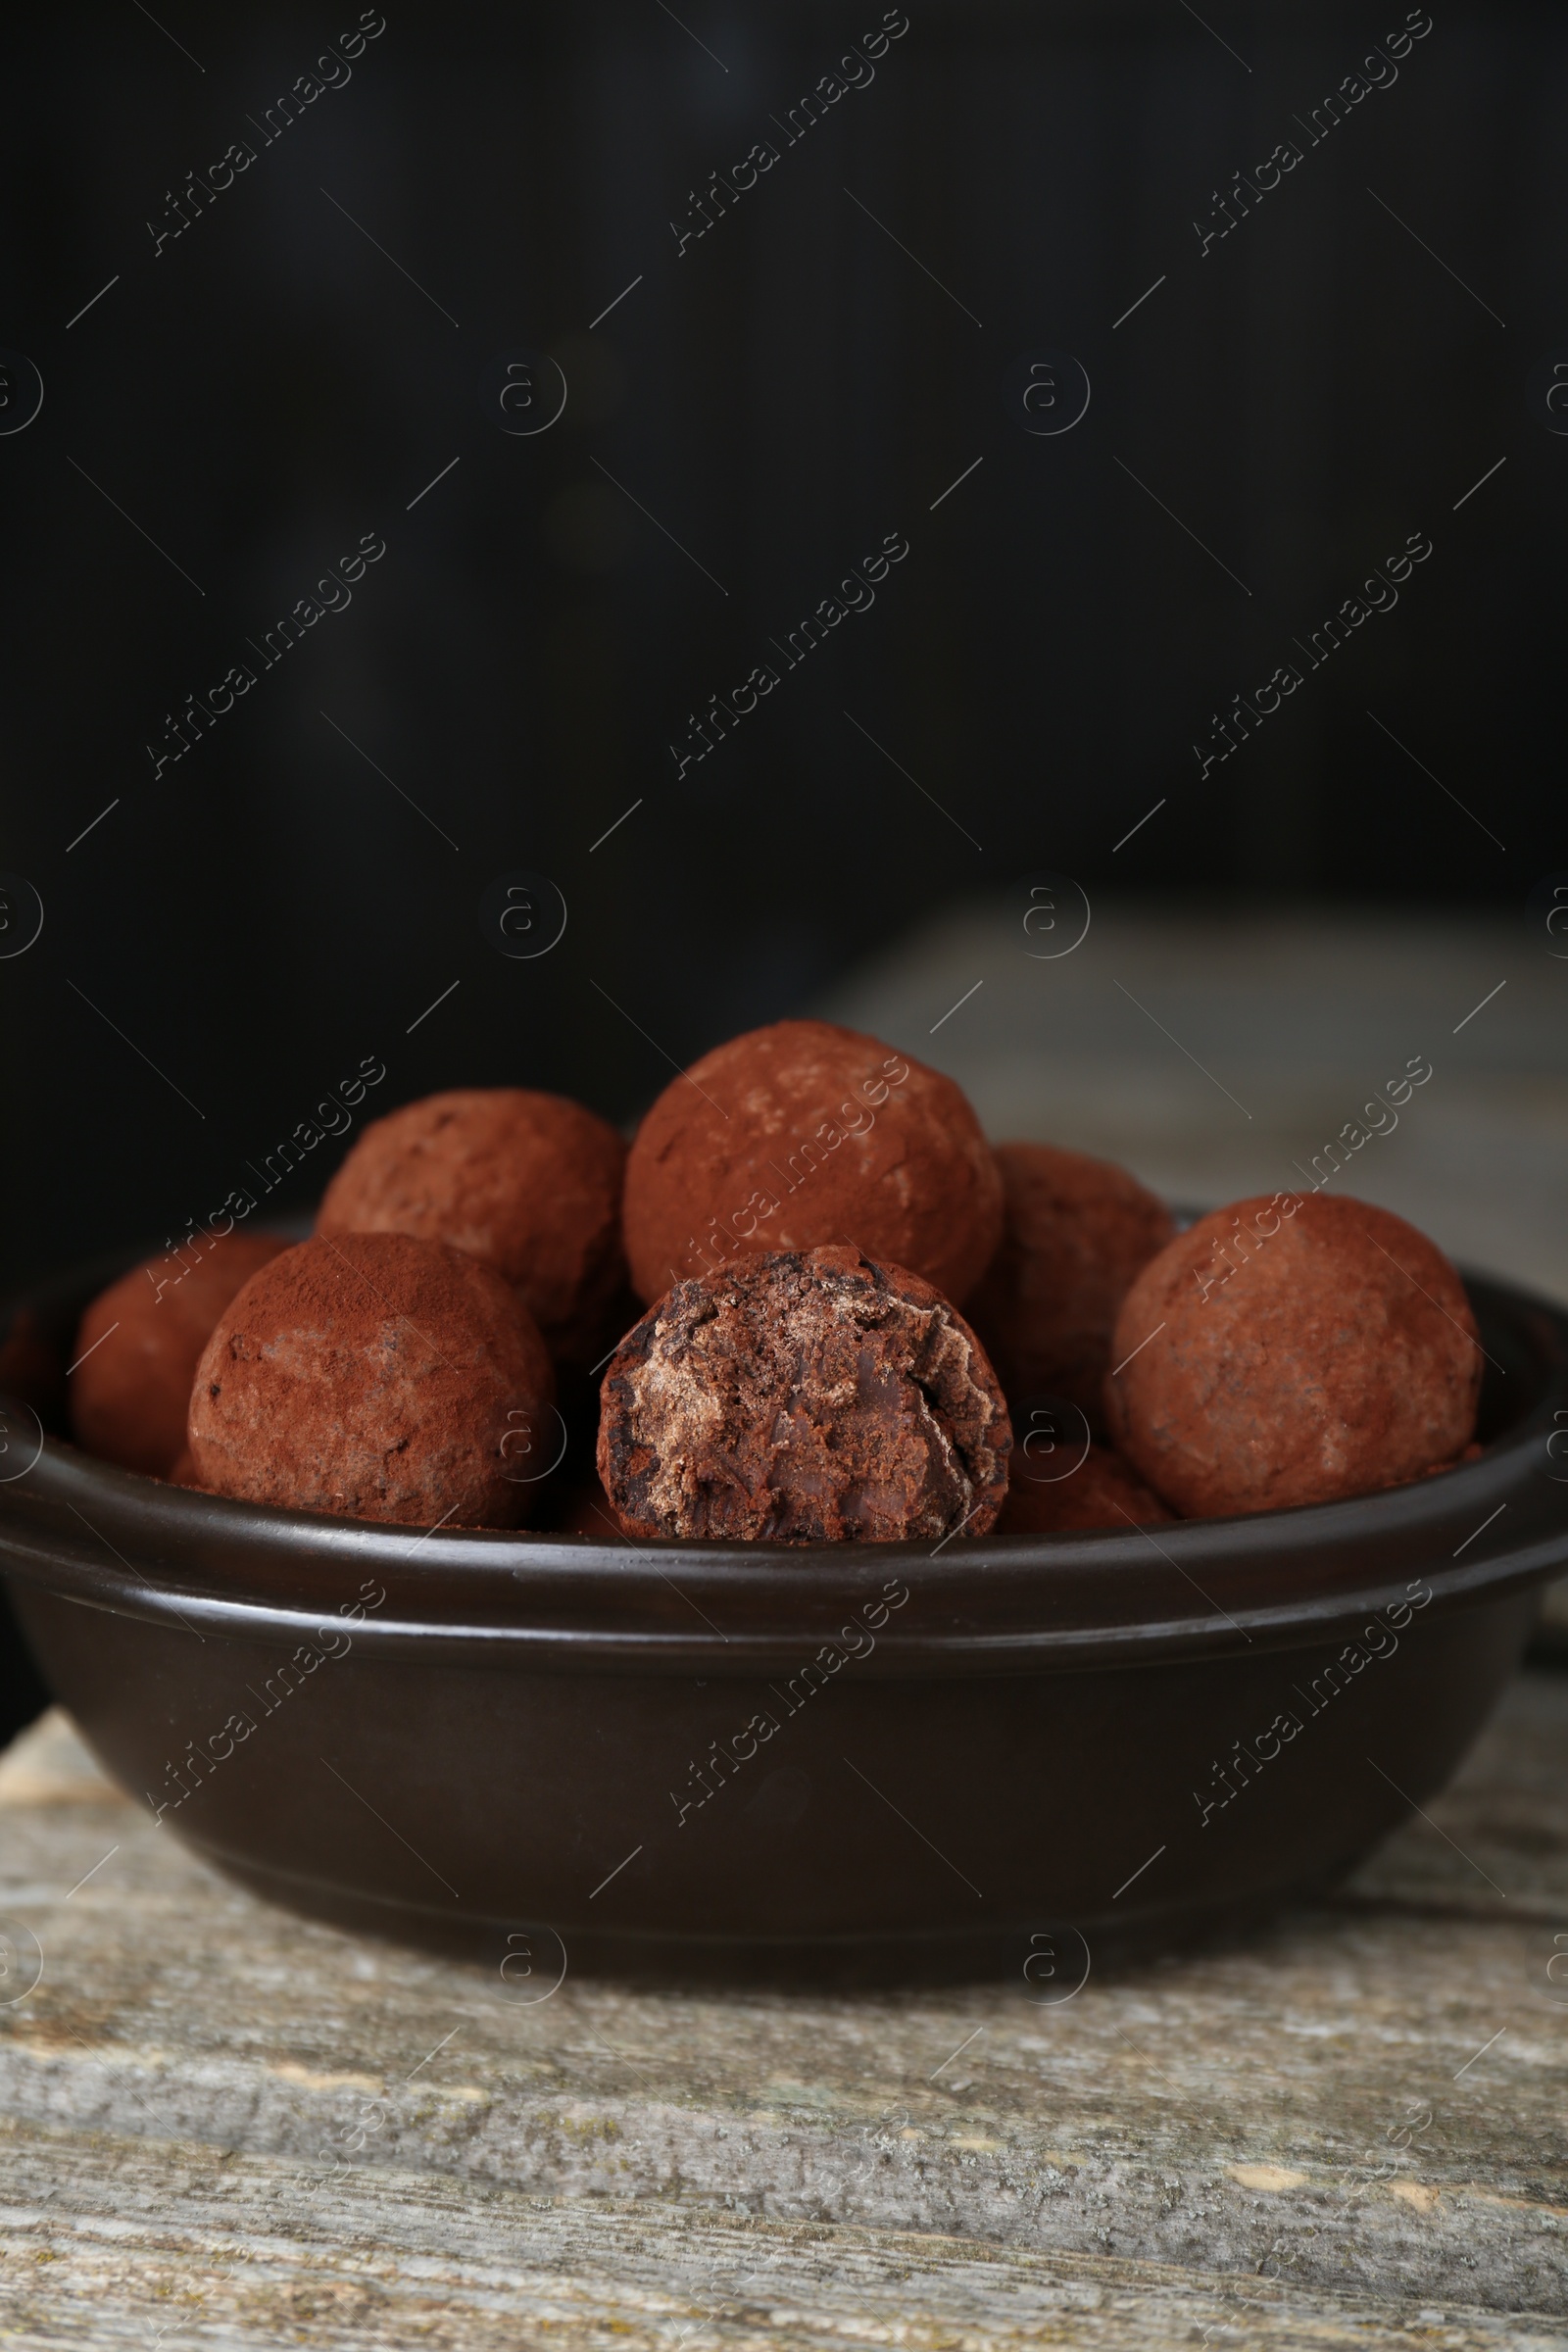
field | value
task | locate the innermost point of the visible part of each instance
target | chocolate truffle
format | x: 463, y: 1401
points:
x: 1291, y: 1350
x: 803, y: 1397
x: 529, y: 1182
x: 1074, y: 1232
x: 1102, y: 1491
x: 376, y: 1376
x: 139, y: 1343
x: 804, y: 1133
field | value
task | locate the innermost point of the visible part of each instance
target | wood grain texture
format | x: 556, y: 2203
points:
x: 133, y: 2242
x: 257, y: 2129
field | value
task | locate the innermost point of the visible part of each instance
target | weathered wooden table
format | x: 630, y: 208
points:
x: 224, y: 2127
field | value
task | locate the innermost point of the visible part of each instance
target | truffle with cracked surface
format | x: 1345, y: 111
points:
x: 804, y: 1135
x: 529, y: 1182
x: 800, y: 1398
x: 377, y: 1377
x: 1292, y: 1349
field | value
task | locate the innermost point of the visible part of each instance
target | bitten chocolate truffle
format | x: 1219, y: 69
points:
x: 1103, y: 1491
x: 375, y: 1376
x: 803, y: 1397
x: 1290, y: 1350
x: 137, y: 1348
x: 802, y: 1135
x: 1074, y: 1233
x: 529, y: 1182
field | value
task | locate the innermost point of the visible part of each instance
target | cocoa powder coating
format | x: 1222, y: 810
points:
x: 1074, y: 1233
x: 529, y: 1182
x: 803, y: 1397
x: 804, y: 1133
x: 1288, y: 1350
x: 1103, y: 1491
x: 139, y: 1344
x: 379, y: 1377
x: 182, y: 1471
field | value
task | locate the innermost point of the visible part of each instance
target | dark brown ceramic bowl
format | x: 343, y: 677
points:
x: 865, y: 1761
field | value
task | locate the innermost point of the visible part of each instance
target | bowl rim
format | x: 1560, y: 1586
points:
x: 76, y: 1526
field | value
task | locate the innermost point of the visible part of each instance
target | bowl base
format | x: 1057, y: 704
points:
x: 1048, y: 1965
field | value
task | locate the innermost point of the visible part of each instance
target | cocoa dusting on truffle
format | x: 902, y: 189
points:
x: 1290, y: 1350
x: 376, y: 1376
x: 803, y: 1397
x: 138, y: 1344
x: 529, y: 1182
x: 1075, y: 1231
x: 1103, y: 1491
x: 802, y: 1135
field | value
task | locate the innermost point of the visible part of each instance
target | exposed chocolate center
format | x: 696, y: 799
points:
x: 803, y: 1397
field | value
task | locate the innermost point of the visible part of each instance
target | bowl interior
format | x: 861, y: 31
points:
x: 141, y: 1547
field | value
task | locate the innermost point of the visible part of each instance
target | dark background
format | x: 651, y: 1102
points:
x: 789, y: 390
